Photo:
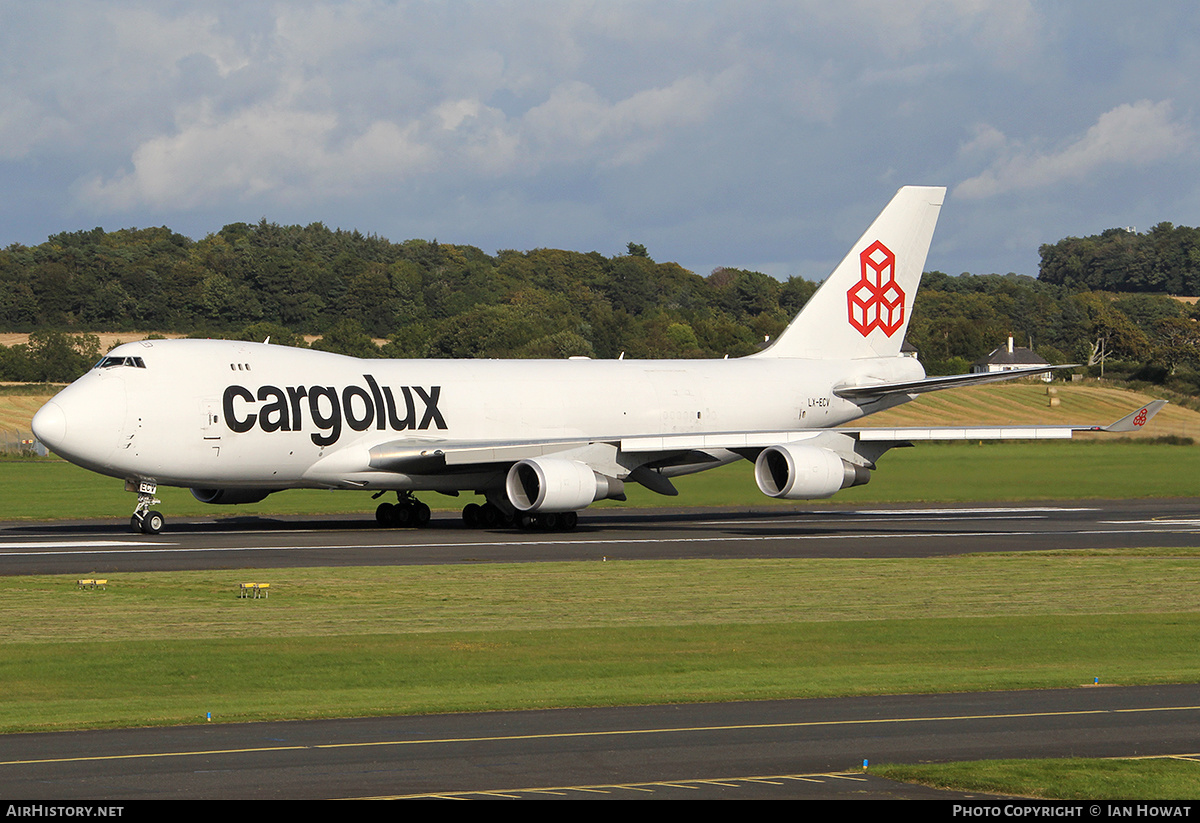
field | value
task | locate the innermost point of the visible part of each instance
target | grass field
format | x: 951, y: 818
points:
x: 948, y: 472
x: 164, y: 648
x: 1066, y: 779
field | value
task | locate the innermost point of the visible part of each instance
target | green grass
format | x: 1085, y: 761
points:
x: 1066, y: 779
x: 164, y: 648
x: 136, y: 683
x: 958, y: 472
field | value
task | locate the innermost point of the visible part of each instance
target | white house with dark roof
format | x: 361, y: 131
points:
x: 1009, y: 358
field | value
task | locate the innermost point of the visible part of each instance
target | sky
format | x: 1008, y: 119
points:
x: 756, y: 135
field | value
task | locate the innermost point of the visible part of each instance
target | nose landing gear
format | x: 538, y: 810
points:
x: 145, y: 520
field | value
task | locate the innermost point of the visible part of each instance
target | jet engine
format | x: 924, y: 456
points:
x: 552, y: 484
x: 230, y: 496
x: 805, y: 472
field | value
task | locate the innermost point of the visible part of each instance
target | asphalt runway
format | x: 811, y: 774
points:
x: 770, y: 749
x: 892, y: 531
x: 799, y: 749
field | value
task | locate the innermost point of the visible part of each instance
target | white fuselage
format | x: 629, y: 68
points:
x: 208, y: 413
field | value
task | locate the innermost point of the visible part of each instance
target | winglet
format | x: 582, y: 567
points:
x: 1134, y: 421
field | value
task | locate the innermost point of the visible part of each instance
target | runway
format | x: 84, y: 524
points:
x: 901, y: 531
x: 760, y: 750
x: 769, y: 749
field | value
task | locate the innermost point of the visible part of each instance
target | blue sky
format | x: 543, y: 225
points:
x: 758, y: 135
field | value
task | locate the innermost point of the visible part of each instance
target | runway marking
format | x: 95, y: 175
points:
x: 65, y: 544
x: 595, y: 733
x: 990, y: 510
x: 693, y: 785
x: 628, y: 541
x: 844, y: 521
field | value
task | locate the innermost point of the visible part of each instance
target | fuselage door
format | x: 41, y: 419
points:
x: 210, y: 427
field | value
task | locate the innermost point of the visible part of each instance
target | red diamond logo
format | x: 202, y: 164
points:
x: 876, y: 301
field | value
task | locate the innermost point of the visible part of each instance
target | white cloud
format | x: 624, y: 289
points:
x: 1134, y: 134
x: 300, y: 146
x: 266, y: 151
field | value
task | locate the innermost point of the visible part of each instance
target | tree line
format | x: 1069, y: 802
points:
x: 1164, y: 260
x: 430, y: 299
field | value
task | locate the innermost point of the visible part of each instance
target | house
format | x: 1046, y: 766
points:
x: 1008, y: 358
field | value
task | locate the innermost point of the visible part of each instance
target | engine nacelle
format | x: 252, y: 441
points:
x: 230, y: 496
x: 552, y: 484
x: 805, y: 472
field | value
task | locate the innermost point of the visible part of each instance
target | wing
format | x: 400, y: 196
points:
x: 873, y: 390
x: 650, y: 460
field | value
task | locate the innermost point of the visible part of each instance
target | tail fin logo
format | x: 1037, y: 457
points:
x: 876, y: 301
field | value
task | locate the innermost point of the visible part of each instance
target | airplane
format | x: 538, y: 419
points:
x: 539, y: 439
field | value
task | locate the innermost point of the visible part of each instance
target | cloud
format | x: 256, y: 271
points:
x: 1134, y: 134
x: 261, y: 151
x: 292, y: 148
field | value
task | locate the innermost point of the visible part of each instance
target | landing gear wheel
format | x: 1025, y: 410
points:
x: 153, y: 523
x: 490, y: 516
x: 471, y: 515
x: 406, y: 511
x: 384, y: 514
x: 548, y: 521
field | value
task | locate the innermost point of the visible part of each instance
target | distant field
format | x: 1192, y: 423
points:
x: 1028, y: 403
x: 108, y: 339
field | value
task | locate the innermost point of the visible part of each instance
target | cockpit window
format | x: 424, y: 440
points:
x: 110, y: 362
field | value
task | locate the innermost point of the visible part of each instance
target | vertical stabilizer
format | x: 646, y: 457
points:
x: 862, y: 309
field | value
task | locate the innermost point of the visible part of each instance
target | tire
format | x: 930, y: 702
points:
x: 153, y: 523
x: 383, y: 514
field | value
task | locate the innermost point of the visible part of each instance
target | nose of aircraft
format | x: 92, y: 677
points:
x: 85, y: 422
x: 50, y: 425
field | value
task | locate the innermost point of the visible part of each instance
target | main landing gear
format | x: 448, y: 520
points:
x: 406, y: 511
x: 491, y: 516
x: 145, y: 520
